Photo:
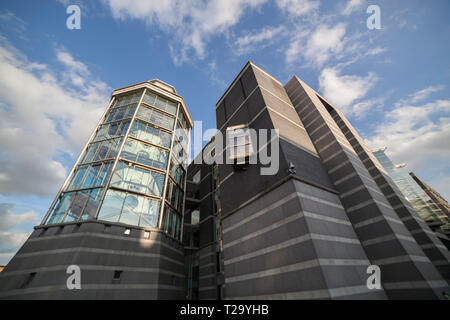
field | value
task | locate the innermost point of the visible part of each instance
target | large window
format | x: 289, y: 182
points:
x: 90, y: 176
x: 106, y: 149
x: 130, y: 209
x: 177, y: 173
x: 111, y: 130
x: 133, y: 178
x: 172, y: 222
x: 121, y: 113
x: 239, y: 144
x: 149, y: 155
x: 149, y: 133
x: 156, y: 117
x: 160, y: 103
x: 76, y: 206
x: 174, y: 195
x: 127, y: 99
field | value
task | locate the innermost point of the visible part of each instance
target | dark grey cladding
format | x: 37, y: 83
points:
x: 150, y: 268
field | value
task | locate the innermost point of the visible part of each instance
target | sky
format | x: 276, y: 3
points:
x: 392, y: 83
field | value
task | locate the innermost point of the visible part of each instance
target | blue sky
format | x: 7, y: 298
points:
x: 392, y: 83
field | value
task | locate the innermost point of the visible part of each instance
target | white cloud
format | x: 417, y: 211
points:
x: 43, y: 116
x: 424, y: 93
x: 9, y: 220
x: 352, y: 6
x: 261, y: 39
x: 417, y: 134
x: 297, y: 8
x: 192, y: 23
x: 12, y: 238
x: 318, y: 46
x: 344, y: 90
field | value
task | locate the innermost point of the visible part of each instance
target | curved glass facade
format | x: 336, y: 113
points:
x: 133, y: 170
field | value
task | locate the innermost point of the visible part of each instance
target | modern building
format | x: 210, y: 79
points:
x: 426, y: 207
x: 119, y: 214
x: 433, y: 194
x: 293, y: 205
x: 311, y: 230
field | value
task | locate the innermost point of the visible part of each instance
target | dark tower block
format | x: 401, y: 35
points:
x: 285, y: 235
x: 387, y: 228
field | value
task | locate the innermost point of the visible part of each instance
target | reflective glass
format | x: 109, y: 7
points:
x: 112, y: 206
x: 131, y: 209
x: 146, y: 154
x: 150, y: 213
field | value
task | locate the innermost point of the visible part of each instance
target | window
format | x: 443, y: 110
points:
x: 111, y: 130
x: 156, y: 117
x: 127, y: 232
x: 151, y: 134
x: 239, y: 144
x: 177, y: 173
x: 172, y: 222
x: 106, y: 149
x: 130, y: 209
x: 160, y: 103
x: 127, y: 99
x: 195, y: 217
x: 152, y: 156
x: 117, y: 275
x: 137, y: 179
x: 120, y: 113
x: 75, y: 206
x: 107, y: 228
x: 146, y: 234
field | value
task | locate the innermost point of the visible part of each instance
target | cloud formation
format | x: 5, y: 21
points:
x: 344, y: 90
x: 190, y: 24
x: 44, y: 116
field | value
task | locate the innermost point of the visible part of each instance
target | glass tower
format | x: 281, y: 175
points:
x: 132, y: 171
x: 423, y: 204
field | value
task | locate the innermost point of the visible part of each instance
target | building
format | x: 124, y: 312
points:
x: 426, y: 207
x: 311, y: 230
x: 290, y: 205
x: 433, y: 194
x: 119, y: 214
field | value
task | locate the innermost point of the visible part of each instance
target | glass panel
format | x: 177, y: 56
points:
x: 150, y: 213
x: 77, y: 206
x: 61, y: 208
x: 91, y: 176
x: 131, y: 209
x: 161, y: 103
x: 90, y: 152
x: 156, y: 117
x: 150, y: 134
x: 112, y: 205
x: 170, y: 222
x: 101, y: 134
x: 172, y: 107
x: 92, y: 205
x: 145, y: 154
x: 149, y: 98
x: 102, y: 151
x: 138, y: 179
x: 104, y: 174
x: 78, y: 177
x: 115, y: 145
